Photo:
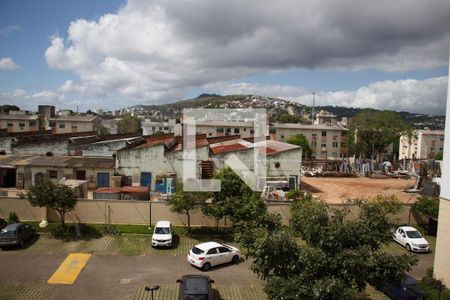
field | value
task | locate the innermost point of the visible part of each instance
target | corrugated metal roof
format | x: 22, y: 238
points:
x: 268, y: 147
x: 58, y: 161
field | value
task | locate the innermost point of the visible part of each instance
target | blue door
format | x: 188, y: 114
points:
x: 102, y: 179
x: 146, y: 180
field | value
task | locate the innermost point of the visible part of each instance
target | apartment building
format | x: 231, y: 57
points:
x: 149, y: 127
x: 326, y: 141
x: 19, y: 121
x: 70, y: 124
x: 224, y: 128
x: 424, y: 144
x: 442, y: 257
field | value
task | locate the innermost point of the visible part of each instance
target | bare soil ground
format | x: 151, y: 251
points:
x: 335, y: 190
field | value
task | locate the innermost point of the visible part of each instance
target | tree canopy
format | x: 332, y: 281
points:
x: 300, y: 140
x: 56, y: 196
x: 332, y: 257
x: 370, y: 132
x: 428, y: 206
x: 129, y: 124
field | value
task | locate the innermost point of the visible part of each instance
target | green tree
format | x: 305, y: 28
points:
x: 300, y: 140
x: 370, y: 132
x: 186, y: 202
x: 129, y: 124
x: 231, y: 198
x: 58, y: 197
x: 7, y: 107
x: 427, y: 206
x: 337, y: 254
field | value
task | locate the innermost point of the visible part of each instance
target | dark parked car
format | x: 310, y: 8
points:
x: 406, y: 288
x: 195, y: 287
x: 16, y: 234
x: 3, y: 223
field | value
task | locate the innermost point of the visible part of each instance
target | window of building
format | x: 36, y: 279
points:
x: 21, y: 124
x: 335, y: 144
x: 335, y: 137
x: 160, y: 128
x: 236, y: 130
x: 252, y: 131
x: 62, y: 125
x: 323, y: 146
x: 324, y: 133
x: 219, y: 130
x: 228, y: 130
x: 32, y: 123
x: 10, y: 124
x: 166, y: 128
x: 81, y: 175
x: 74, y: 125
x: 52, y: 174
x: 52, y: 124
x: 245, y: 129
x: 314, y: 144
x: 282, y: 136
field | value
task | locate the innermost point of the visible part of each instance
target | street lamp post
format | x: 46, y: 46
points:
x: 151, y: 289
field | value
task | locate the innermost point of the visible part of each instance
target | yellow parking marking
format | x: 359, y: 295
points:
x: 69, y: 270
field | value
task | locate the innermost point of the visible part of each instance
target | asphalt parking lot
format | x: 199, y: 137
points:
x: 120, y: 267
x: 114, y: 271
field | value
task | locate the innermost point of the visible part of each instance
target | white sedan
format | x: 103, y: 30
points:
x: 209, y: 254
x: 411, y: 238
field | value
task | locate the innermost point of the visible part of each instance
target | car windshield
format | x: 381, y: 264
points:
x: 162, y: 230
x: 7, y: 233
x: 197, y: 251
x: 413, y: 234
x: 195, y: 297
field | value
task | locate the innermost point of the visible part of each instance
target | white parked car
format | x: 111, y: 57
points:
x: 209, y: 254
x: 162, y: 235
x: 411, y: 238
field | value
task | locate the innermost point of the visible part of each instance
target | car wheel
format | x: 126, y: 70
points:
x: 408, y: 247
x: 206, y: 267
x: 21, y: 243
x: 235, y: 259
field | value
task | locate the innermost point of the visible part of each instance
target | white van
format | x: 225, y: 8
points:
x: 162, y: 235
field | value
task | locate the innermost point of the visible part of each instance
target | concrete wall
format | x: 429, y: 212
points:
x: 137, y: 212
x: 57, y: 147
x: 105, y: 149
x: 22, y: 208
x: 442, y: 257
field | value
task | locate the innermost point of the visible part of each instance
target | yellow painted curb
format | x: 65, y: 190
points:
x: 69, y: 270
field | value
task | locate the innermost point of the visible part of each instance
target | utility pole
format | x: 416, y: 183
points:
x: 312, y: 111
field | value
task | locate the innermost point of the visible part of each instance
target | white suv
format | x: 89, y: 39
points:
x: 162, y: 235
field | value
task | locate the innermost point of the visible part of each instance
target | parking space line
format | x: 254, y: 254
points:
x: 69, y: 270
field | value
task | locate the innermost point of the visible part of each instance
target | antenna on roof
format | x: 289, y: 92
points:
x: 312, y: 111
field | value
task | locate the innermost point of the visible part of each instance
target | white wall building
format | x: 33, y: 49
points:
x: 424, y: 144
x: 442, y: 255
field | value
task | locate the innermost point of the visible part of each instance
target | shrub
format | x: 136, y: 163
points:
x: 13, y: 218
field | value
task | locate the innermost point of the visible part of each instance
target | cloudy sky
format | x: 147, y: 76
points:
x: 111, y: 54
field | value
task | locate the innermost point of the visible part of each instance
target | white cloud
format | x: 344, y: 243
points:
x: 421, y: 96
x: 7, y: 63
x: 8, y: 29
x: 159, y: 50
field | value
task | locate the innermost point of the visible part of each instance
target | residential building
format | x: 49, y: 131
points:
x: 46, y: 112
x: 210, y: 128
x: 424, y: 144
x: 23, y: 171
x: 149, y: 127
x: 442, y: 257
x: 19, y: 121
x: 75, y: 123
x: 326, y: 141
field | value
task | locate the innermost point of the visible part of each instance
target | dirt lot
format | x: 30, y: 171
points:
x: 335, y: 190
